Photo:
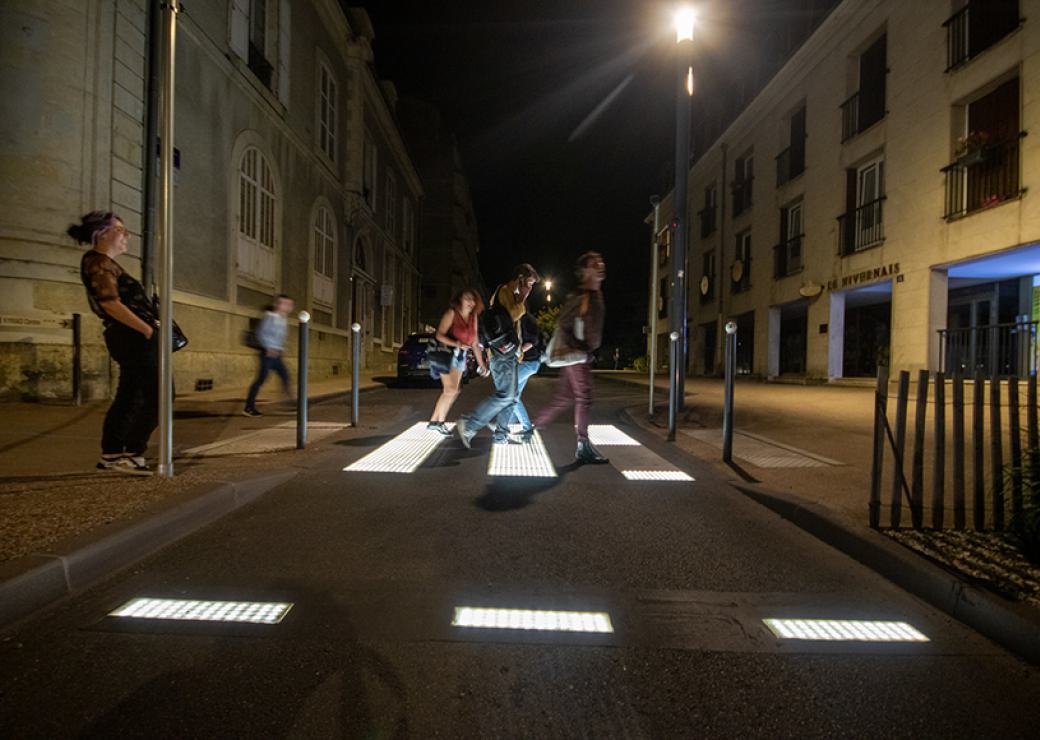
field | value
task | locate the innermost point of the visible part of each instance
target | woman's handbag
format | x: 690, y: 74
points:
x: 562, y: 357
x: 177, y: 336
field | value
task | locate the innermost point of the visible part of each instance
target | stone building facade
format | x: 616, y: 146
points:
x: 872, y: 205
x: 291, y: 176
x: 450, y: 239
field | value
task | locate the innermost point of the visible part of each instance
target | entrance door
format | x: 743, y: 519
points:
x: 745, y: 343
x: 794, y: 334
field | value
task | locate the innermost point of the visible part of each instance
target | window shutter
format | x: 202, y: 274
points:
x: 240, y: 28
x: 284, y: 50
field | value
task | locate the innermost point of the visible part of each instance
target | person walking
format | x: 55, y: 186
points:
x: 532, y: 348
x: 579, y: 331
x: 270, y: 336
x: 131, y: 337
x: 501, y: 325
x: 457, y: 331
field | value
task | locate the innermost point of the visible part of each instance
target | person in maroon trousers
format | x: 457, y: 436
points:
x: 579, y: 327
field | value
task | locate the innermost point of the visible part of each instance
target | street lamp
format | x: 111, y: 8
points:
x: 684, y: 22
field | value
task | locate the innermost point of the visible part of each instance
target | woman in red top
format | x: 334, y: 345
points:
x: 457, y: 331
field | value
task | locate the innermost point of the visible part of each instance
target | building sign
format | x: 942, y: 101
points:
x: 25, y: 322
x: 863, y: 277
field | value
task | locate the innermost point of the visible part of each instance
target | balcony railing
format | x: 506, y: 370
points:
x: 997, y: 349
x: 862, y: 228
x: 859, y: 112
x: 982, y: 178
x: 744, y: 284
x: 789, y: 164
x: 976, y: 27
x: 742, y: 196
x: 707, y: 216
x: 787, y: 257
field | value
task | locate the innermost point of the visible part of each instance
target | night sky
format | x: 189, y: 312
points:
x: 564, y: 111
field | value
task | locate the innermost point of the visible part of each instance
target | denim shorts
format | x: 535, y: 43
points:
x: 458, y: 362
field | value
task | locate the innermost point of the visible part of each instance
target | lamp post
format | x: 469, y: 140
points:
x: 651, y: 325
x: 684, y: 19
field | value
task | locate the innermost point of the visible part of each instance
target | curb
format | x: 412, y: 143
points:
x: 990, y: 615
x: 1013, y: 627
x: 34, y: 581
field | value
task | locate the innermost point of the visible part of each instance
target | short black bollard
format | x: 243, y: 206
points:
x: 727, y: 406
x: 301, y: 382
x: 673, y: 389
x: 355, y: 381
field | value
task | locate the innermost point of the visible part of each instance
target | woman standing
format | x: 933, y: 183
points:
x: 122, y: 305
x: 458, y: 331
x: 579, y: 330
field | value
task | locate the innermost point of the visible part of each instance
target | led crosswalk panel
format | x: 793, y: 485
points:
x: 844, y: 630
x: 532, y: 619
x: 608, y: 435
x: 253, y: 612
x: 655, y: 475
x: 402, y: 454
x: 521, y: 460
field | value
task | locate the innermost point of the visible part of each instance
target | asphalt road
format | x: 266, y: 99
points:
x: 374, y: 564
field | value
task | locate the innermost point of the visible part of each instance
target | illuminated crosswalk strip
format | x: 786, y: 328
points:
x: 522, y: 460
x: 629, y: 456
x: 532, y: 619
x: 254, y: 612
x: 402, y: 454
x: 844, y: 630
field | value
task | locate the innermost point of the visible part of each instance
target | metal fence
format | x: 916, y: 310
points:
x: 996, y: 437
x: 862, y: 228
x: 983, y: 178
x: 996, y: 349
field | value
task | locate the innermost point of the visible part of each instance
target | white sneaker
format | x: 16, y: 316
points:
x: 133, y: 465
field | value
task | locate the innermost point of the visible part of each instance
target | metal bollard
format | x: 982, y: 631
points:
x: 356, y: 373
x: 301, y: 382
x: 673, y: 387
x: 727, y: 406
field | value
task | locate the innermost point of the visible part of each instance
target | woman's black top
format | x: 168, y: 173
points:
x: 105, y: 280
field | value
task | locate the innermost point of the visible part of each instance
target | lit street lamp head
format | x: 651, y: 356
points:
x: 685, y: 17
x: 304, y: 317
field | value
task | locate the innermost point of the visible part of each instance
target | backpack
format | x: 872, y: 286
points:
x: 249, y: 336
x: 496, y: 328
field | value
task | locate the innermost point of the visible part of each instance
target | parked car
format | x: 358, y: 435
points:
x: 412, y: 363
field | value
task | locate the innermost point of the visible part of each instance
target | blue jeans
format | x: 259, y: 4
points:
x: 500, y: 405
x: 526, y: 369
x: 267, y: 364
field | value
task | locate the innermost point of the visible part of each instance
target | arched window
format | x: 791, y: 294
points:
x: 257, y: 206
x: 324, y: 238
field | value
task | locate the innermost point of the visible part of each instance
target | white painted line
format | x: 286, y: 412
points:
x: 844, y: 630
x: 608, y: 435
x: 532, y: 619
x: 402, y: 454
x: 253, y: 612
x: 521, y: 460
x: 656, y: 475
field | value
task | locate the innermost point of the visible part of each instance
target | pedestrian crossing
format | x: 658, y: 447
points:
x: 405, y: 453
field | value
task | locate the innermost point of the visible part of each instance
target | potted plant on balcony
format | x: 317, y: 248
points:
x: 973, y: 148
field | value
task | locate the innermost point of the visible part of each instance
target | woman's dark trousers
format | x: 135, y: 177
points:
x: 134, y: 412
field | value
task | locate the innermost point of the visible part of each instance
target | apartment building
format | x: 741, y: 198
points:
x: 291, y: 176
x: 872, y: 205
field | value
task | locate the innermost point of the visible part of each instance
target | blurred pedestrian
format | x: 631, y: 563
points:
x: 131, y: 337
x: 579, y: 331
x: 500, y: 327
x: 458, y: 332
x: 270, y: 338
x: 531, y: 348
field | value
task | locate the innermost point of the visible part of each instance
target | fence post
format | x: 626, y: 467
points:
x: 877, y: 462
x: 939, y: 462
x: 917, y: 474
x: 1015, y: 435
x: 896, y: 509
x: 977, y: 461
x: 77, y: 359
x: 1032, y: 434
x: 996, y: 452
x: 301, y: 383
x: 355, y: 380
x: 958, y: 450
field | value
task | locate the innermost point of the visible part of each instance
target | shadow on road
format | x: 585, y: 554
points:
x: 510, y: 494
x: 373, y: 441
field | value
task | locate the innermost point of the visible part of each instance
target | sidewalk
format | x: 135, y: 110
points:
x: 813, y: 441
x: 50, y: 491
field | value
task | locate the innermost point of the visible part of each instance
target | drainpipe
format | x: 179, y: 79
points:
x: 151, y: 134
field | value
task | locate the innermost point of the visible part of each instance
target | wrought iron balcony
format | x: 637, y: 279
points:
x: 787, y: 257
x: 983, y: 177
x: 976, y: 27
x: 790, y: 163
x: 859, y: 112
x: 862, y: 228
